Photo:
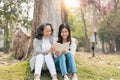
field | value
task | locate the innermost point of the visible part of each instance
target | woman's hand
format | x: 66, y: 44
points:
x: 63, y: 52
x: 57, y: 53
x: 52, y: 49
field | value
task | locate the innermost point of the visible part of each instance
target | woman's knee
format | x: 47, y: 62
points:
x: 48, y: 55
x: 40, y: 56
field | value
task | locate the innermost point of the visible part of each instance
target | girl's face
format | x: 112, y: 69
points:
x: 64, y: 33
x: 47, y: 31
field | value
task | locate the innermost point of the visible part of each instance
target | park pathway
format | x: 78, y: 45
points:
x: 7, y: 59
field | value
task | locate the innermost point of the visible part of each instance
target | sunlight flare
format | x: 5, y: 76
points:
x: 72, y: 3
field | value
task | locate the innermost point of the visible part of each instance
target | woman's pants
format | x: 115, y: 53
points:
x: 41, y: 60
x: 65, y: 62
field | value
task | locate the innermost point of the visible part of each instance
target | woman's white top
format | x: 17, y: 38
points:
x: 46, y: 44
x: 41, y: 46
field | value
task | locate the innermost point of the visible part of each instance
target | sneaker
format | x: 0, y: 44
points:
x: 54, y: 79
x: 75, y: 78
x: 36, y: 79
x: 66, y: 78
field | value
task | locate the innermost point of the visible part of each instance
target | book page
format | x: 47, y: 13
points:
x: 65, y: 46
x: 59, y: 47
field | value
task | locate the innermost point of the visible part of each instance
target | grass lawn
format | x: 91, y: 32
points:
x: 101, y: 67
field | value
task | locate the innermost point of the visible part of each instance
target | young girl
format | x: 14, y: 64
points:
x: 65, y: 61
x: 43, y: 51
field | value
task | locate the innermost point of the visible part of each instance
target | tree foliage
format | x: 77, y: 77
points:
x: 106, y: 17
x: 12, y: 14
x: 75, y: 24
x: 109, y: 29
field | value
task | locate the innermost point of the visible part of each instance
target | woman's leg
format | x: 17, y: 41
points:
x: 38, y: 65
x: 51, y: 66
x: 70, y: 62
x: 60, y: 63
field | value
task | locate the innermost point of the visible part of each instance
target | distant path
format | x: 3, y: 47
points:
x: 7, y: 59
x: 1, y: 43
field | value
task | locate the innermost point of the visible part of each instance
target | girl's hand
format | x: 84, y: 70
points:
x: 57, y: 53
x: 63, y: 52
x: 52, y: 49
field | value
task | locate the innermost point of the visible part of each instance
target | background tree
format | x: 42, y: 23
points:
x: 76, y: 24
x: 104, y: 12
x: 111, y: 20
x: 14, y: 16
x: 52, y: 11
x: 9, y: 14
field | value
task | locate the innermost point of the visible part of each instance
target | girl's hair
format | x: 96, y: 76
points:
x: 60, y: 39
x: 39, y: 31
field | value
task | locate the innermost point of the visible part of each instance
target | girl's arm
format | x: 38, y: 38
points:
x: 73, y: 46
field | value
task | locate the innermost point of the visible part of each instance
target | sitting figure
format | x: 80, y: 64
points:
x: 42, y: 54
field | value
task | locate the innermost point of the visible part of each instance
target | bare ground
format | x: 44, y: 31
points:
x: 7, y: 59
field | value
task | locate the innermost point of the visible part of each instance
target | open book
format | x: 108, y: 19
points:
x: 59, y: 47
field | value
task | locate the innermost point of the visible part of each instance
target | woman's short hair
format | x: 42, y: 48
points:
x: 39, y: 31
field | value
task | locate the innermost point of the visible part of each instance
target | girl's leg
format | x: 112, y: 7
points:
x: 38, y: 65
x: 70, y: 62
x: 60, y: 63
x: 51, y: 66
x: 71, y: 65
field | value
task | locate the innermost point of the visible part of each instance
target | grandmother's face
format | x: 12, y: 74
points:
x: 47, y: 31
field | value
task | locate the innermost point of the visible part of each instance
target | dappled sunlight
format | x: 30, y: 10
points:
x: 71, y: 3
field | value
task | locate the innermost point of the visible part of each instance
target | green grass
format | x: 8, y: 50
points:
x: 98, y: 68
x: 102, y: 67
x: 14, y: 72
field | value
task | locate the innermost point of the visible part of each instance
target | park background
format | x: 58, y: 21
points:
x: 94, y: 23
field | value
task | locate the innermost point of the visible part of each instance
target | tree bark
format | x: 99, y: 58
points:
x: 103, y: 47
x: 86, y: 41
x: 47, y: 11
x: 64, y: 13
x: 6, y: 39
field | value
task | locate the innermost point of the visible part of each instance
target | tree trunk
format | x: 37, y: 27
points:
x: 64, y: 14
x: 6, y: 39
x: 20, y: 44
x: 86, y: 41
x: 118, y: 43
x: 103, y: 47
x: 111, y: 46
x: 47, y: 11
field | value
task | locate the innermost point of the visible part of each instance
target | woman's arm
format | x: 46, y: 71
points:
x: 37, y: 46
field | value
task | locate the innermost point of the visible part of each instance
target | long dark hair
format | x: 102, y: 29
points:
x: 39, y: 31
x: 60, y: 39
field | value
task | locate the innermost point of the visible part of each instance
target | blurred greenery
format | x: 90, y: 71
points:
x: 13, y: 17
